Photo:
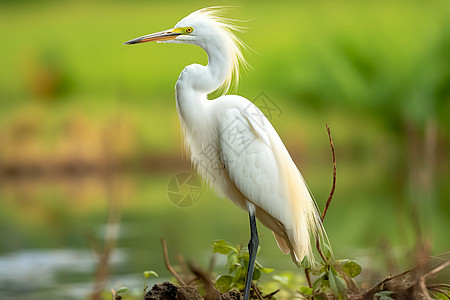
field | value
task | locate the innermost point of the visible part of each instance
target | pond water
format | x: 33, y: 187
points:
x: 51, y: 227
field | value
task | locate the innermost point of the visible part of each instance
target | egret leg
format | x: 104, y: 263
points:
x: 252, y: 249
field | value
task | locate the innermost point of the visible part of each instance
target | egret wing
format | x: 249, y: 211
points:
x: 251, y: 164
x: 261, y: 168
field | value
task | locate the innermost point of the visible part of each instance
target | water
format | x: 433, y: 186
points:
x: 40, y: 273
x: 49, y: 228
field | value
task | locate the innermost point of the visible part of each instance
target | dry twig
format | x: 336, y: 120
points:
x: 255, y: 289
x: 268, y: 296
x: 378, y: 287
x: 436, y: 270
x: 330, y: 197
x: 334, y: 175
x: 168, y: 266
x: 422, y: 279
x: 210, y: 290
x: 308, y: 277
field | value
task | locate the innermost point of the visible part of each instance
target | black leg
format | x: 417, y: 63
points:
x: 252, y: 249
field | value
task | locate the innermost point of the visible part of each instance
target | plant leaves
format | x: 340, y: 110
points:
x: 243, y: 257
x: 232, y: 261
x: 337, y: 284
x: 306, y: 290
x: 327, y: 251
x: 333, y: 284
x: 318, y: 272
x: 385, y: 295
x: 240, y: 280
x: 350, y: 267
x: 342, y: 287
x: 222, y: 247
x: 239, y: 274
x: 266, y: 270
x: 122, y: 290
x: 147, y: 274
x: 256, y: 274
x: 443, y: 295
x: 224, y: 283
x: 321, y: 281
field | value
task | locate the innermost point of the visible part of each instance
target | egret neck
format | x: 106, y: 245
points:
x: 197, y: 81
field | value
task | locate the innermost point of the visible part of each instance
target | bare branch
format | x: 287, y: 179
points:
x: 439, y: 285
x: 437, y: 290
x: 168, y: 266
x: 334, y: 175
x: 258, y: 294
x: 210, y: 290
x: 308, y: 277
x: 320, y: 251
x: 183, y: 265
x: 376, y: 288
x: 268, y: 296
x: 436, y: 270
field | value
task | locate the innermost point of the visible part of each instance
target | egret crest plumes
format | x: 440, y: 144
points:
x: 211, y: 20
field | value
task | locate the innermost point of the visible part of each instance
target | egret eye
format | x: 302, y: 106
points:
x: 189, y: 29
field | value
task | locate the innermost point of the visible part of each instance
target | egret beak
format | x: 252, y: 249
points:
x: 165, y: 35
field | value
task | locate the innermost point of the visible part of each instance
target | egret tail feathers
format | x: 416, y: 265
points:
x: 305, y: 219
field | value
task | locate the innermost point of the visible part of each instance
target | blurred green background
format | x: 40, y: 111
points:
x: 88, y: 126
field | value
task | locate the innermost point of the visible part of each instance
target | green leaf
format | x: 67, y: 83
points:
x: 232, y: 261
x: 122, y: 290
x: 147, y: 274
x: 256, y: 274
x: 321, y: 281
x: 240, y: 278
x: 306, y: 290
x: 337, y: 284
x: 243, y: 257
x: 350, y: 267
x: 443, y: 295
x: 327, y: 251
x: 239, y: 274
x: 266, y: 270
x: 222, y: 247
x: 333, y: 284
x: 224, y: 283
x: 318, y: 272
x: 232, y: 258
x: 342, y: 286
x: 385, y: 295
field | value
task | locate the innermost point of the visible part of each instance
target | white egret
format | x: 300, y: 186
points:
x: 233, y: 146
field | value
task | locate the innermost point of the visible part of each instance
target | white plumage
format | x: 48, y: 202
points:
x: 230, y: 142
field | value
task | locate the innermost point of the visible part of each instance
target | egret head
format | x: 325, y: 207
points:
x: 197, y: 28
x: 209, y: 30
